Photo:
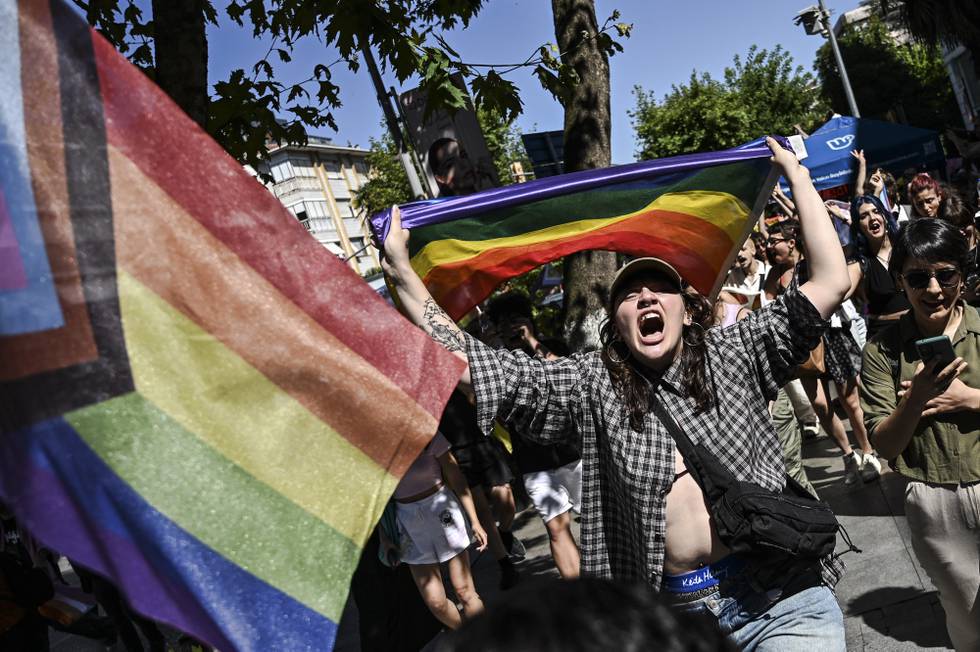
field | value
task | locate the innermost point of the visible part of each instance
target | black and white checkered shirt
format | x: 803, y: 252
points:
x: 627, y: 474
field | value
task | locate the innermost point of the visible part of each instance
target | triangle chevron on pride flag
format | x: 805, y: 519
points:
x: 197, y: 400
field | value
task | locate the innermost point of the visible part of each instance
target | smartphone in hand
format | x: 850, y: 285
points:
x: 936, y: 347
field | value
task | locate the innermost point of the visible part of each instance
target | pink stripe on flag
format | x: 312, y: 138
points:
x: 12, y: 276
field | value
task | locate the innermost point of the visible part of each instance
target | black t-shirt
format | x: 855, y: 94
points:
x: 458, y: 422
x: 532, y: 457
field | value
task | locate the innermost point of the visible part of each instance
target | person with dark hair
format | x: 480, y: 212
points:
x: 552, y: 472
x: 644, y: 517
x: 923, y: 417
x: 586, y: 615
x: 873, y: 229
x: 453, y: 171
x: 841, y: 360
x: 880, y: 182
x: 963, y: 217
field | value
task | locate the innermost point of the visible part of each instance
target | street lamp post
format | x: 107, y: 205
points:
x: 404, y: 153
x: 816, y: 20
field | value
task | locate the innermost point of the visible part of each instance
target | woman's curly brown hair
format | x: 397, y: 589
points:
x: 633, y: 388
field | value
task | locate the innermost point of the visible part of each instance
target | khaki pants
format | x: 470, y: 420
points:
x: 790, y: 439
x: 945, y: 524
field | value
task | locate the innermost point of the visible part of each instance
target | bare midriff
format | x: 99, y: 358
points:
x: 692, y: 541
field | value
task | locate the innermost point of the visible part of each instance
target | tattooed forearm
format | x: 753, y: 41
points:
x: 441, y: 328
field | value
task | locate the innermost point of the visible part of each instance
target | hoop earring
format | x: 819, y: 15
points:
x: 698, y: 339
x: 618, y: 358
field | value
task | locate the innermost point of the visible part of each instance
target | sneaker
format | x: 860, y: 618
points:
x: 852, y: 468
x: 871, y: 468
x: 810, y: 430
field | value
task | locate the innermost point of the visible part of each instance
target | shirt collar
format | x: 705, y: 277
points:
x: 672, y: 376
x: 909, y: 330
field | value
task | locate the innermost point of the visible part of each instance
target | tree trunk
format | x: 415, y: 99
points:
x: 587, y: 145
x: 181, y: 54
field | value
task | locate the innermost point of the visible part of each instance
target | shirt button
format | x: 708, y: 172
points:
x: 712, y: 603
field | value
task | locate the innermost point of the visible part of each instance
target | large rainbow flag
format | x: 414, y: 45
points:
x: 196, y: 399
x: 693, y: 211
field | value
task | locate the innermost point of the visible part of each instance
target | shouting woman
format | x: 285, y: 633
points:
x: 644, y: 518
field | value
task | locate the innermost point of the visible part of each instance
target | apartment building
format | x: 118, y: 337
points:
x: 316, y: 182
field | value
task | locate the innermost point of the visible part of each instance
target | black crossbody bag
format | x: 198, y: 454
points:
x: 786, y: 529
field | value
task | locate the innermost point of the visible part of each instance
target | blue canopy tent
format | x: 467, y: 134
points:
x: 892, y: 147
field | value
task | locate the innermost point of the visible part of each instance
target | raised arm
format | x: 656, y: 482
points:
x: 414, y: 299
x: 829, y: 281
x: 862, y: 171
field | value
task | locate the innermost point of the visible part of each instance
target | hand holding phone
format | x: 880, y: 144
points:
x: 939, y: 349
x: 938, y: 370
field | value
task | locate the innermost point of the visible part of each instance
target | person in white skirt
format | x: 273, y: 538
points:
x: 433, y: 530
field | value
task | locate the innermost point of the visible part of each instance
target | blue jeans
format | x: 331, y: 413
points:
x: 806, y: 621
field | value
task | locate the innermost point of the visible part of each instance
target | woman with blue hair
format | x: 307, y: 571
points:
x: 873, y: 228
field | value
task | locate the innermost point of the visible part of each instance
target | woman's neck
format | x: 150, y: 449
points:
x: 948, y: 326
x: 883, y: 249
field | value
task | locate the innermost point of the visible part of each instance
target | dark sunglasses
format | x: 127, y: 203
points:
x: 774, y: 241
x: 918, y: 279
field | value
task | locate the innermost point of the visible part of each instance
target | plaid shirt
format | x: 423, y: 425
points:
x: 627, y: 474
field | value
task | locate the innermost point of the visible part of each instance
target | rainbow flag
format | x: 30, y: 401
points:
x: 196, y: 399
x: 693, y: 211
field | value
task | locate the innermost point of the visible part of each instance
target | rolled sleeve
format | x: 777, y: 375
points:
x: 879, y: 397
x: 539, y: 397
x: 781, y: 336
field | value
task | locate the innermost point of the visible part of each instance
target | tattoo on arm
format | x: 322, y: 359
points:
x: 441, y: 328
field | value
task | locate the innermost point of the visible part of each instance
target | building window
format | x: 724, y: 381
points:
x: 332, y: 168
x: 282, y: 169
x: 302, y: 166
x: 317, y: 208
x: 344, y: 208
x: 339, y: 189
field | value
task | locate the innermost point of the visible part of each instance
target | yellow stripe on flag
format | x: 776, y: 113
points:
x: 228, y: 404
x: 718, y: 209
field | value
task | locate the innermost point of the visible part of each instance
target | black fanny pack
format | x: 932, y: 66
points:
x: 787, y: 528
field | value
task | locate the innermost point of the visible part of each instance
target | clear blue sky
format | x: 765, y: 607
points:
x: 669, y: 40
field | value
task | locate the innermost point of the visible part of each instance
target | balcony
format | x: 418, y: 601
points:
x: 296, y: 184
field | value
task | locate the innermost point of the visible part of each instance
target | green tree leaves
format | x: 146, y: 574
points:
x: 762, y: 93
x: 907, y: 83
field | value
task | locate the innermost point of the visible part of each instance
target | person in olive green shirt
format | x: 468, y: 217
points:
x: 925, y: 419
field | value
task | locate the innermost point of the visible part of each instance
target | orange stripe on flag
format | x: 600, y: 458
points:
x: 196, y: 274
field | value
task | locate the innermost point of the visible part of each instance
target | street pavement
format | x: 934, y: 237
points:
x: 888, y: 602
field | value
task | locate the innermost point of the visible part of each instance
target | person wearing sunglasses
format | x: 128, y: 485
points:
x: 925, y: 417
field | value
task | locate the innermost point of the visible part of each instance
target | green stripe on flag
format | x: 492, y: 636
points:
x: 741, y: 179
x: 219, y: 503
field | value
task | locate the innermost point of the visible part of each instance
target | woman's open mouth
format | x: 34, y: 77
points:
x: 651, y: 326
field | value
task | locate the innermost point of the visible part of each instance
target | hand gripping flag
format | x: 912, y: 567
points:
x: 693, y: 211
x: 196, y: 399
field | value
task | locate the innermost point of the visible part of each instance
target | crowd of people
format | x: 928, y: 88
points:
x: 824, y: 299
